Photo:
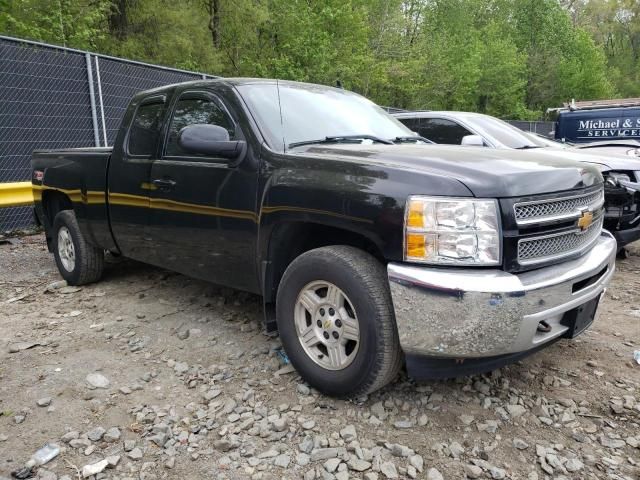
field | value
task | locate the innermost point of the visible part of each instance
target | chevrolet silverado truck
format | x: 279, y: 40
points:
x: 369, y: 247
x: 621, y: 172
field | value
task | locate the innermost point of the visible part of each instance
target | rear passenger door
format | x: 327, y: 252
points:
x: 203, y: 208
x: 439, y: 130
x: 135, y: 149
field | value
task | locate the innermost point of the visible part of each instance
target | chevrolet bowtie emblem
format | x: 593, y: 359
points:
x: 585, y: 220
x: 327, y: 324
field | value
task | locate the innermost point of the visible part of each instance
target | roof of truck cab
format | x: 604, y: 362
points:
x: 437, y: 113
x: 237, y: 81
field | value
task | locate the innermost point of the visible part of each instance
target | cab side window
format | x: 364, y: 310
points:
x: 441, y: 130
x: 196, y: 109
x: 145, y: 129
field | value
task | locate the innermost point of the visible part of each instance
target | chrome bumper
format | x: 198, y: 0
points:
x: 474, y: 313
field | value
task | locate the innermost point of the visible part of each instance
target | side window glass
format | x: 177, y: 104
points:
x: 143, y: 136
x: 196, y: 110
x: 411, y: 123
x: 441, y: 130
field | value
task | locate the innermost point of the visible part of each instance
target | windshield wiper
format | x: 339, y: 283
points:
x: 412, y: 138
x: 528, y: 147
x: 341, y: 139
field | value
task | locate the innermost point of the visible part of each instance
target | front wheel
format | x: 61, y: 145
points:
x: 336, y: 321
x: 78, y: 261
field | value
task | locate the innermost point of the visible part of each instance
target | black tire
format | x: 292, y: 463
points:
x: 622, y: 254
x: 364, y: 281
x: 89, y: 260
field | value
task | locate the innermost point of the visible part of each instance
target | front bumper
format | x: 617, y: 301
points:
x: 476, y: 313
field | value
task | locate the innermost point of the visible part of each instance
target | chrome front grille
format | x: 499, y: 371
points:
x: 557, y: 210
x: 544, y: 248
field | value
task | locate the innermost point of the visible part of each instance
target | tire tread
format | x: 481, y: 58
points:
x: 373, y: 276
x: 89, y: 259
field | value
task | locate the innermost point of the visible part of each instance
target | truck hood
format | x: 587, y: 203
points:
x: 604, y: 161
x: 489, y: 173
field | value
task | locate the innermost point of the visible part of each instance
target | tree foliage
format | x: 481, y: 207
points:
x: 510, y: 58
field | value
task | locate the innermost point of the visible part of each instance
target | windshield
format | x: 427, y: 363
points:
x: 547, y: 142
x: 503, y: 133
x: 289, y: 113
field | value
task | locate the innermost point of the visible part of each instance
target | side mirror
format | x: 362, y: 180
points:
x: 210, y: 140
x: 472, y: 141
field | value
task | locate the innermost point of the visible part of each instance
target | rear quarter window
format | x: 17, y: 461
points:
x: 145, y: 129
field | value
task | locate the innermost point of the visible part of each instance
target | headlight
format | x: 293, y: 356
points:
x: 452, y: 231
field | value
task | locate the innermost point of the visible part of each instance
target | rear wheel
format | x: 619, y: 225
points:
x: 78, y: 262
x: 336, y: 321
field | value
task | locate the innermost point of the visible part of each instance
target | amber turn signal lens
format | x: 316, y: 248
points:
x: 415, y: 217
x: 416, y: 245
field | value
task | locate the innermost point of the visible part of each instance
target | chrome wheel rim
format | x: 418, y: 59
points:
x: 66, y: 250
x: 327, y: 325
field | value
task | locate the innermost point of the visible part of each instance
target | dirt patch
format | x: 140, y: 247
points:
x: 195, y: 390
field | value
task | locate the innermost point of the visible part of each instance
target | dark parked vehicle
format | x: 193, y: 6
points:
x: 597, y: 124
x: 367, y: 245
x: 621, y: 173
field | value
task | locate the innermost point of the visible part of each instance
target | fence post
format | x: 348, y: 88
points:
x: 94, y: 117
x: 104, y: 127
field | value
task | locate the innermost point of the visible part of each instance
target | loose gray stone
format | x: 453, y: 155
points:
x: 96, y: 434
x: 573, y: 465
x: 112, y: 435
x: 306, y: 445
x: 135, y: 454
x: 497, y: 473
x: 331, y: 465
x: 325, y: 453
x: 520, y: 444
x: 348, y: 433
x: 222, y: 445
x: 611, y: 442
x: 67, y: 437
x: 403, y: 424
x: 417, y: 462
x: 97, y: 380
x: 280, y: 424
x: 389, y: 470
x: 303, y: 389
x: 472, y: 471
x: 183, y: 334
x: 44, y: 401
x: 358, y: 465
x: 94, y: 468
x: 516, y: 411
x: 456, y: 449
x: 282, y: 461
x: 434, y: 474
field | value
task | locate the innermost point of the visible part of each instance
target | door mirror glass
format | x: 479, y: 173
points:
x: 209, y: 140
x: 472, y: 141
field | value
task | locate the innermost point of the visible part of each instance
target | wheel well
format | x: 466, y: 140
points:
x: 53, y: 202
x: 289, y: 240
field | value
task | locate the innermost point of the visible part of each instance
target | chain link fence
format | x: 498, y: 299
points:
x: 54, y: 97
x: 541, y: 128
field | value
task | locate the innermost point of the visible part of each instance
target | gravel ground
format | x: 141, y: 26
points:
x: 149, y: 374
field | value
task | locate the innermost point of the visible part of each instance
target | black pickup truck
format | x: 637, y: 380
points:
x: 369, y: 246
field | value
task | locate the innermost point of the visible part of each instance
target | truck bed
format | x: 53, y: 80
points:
x: 81, y: 175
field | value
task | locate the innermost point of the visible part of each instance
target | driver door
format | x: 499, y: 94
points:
x: 203, y: 208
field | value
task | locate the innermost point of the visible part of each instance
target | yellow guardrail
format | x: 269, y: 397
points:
x: 15, y: 194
